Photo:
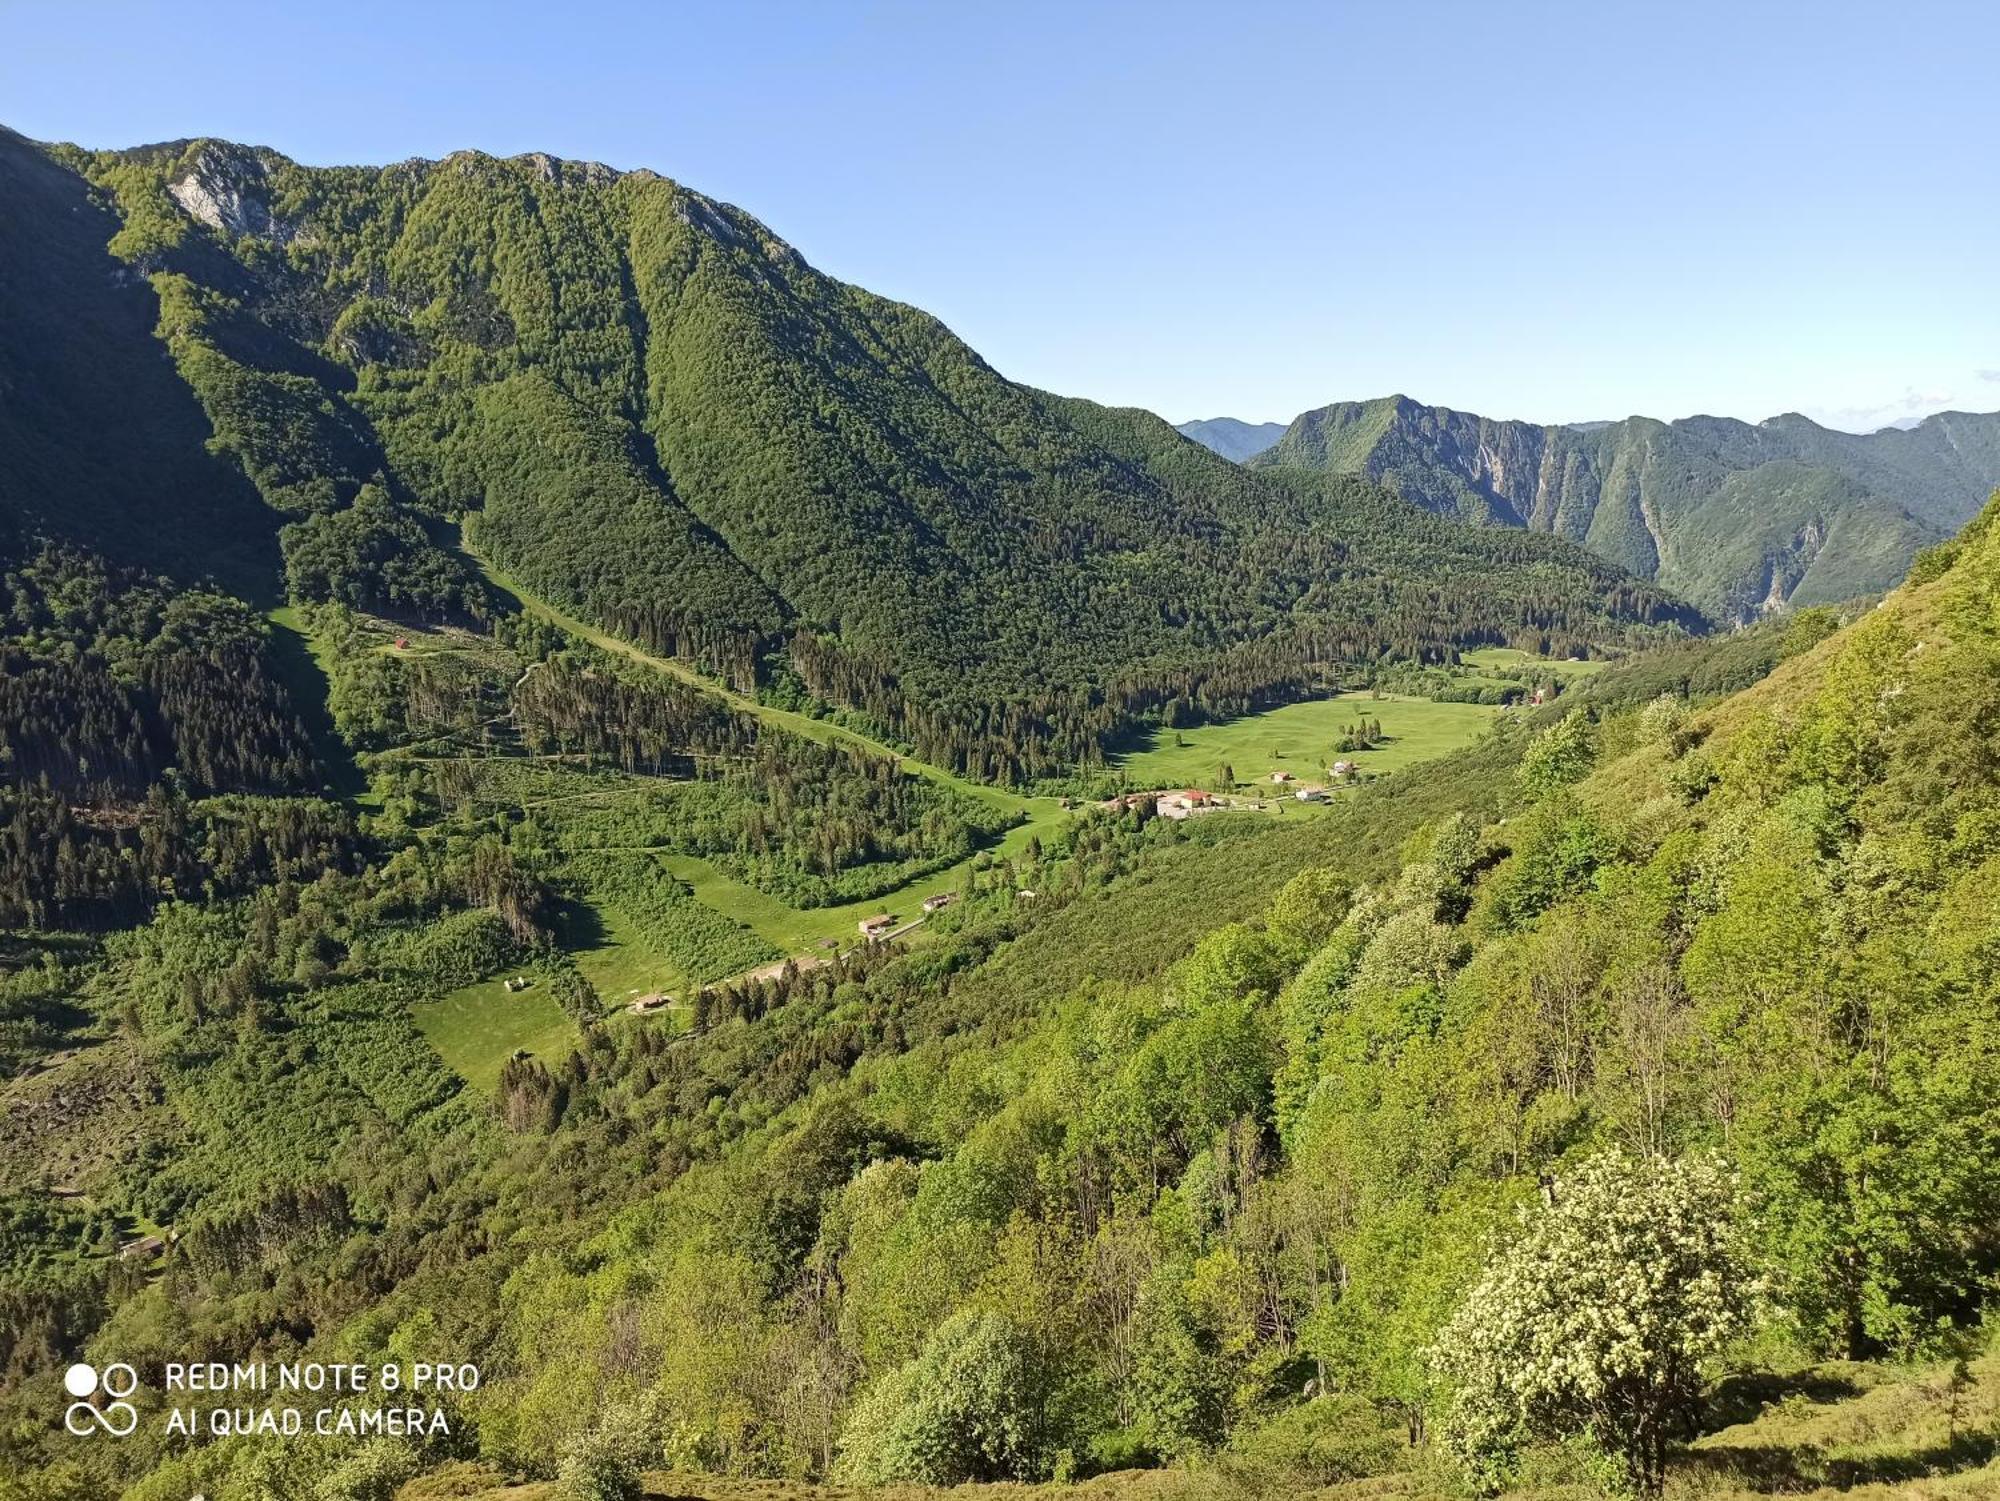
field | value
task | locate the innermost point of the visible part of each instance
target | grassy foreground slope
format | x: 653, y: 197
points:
x: 1835, y: 1432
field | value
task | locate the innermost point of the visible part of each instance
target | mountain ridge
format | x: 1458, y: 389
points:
x: 1740, y: 518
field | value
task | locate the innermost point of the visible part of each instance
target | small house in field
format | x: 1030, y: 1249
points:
x: 649, y: 1003
x: 1341, y: 769
x: 873, y: 928
x: 1279, y: 777
x: 1182, y: 803
x: 1311, y: 794
x: 939, y: 902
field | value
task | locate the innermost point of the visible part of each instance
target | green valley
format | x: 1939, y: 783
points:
x: 582, y: 801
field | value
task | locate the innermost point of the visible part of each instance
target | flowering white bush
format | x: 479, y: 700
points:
x: 1596, y: 1322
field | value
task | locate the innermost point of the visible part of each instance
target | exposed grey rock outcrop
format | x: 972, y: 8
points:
x: 226, y: 188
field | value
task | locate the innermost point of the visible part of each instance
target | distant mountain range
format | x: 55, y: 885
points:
x: 1233, y: 439
x: 1739, y: 519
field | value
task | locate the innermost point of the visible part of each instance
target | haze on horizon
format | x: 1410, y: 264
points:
x: 1558, y: 212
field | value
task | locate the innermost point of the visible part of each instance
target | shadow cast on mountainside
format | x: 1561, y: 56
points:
x: 1778, y: 1469
x: 1742, y: 1398
x: 580, y: 924
x: 1966, y: 1452
x: 307, y: 687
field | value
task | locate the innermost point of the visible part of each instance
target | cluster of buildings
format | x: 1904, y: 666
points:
x: 1188, y: 802
x: 1179, y: 802
x: 880, y: 926
x: 1317, y: 792
x: 1183, y: 803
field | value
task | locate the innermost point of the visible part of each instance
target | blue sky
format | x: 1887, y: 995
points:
x: 1556, y: 212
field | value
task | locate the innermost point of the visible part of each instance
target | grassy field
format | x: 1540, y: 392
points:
x: 1300, y: 738
x: 802, y: 930
x: 1507, y: 659
x: 478, y: 1028
x: 621, y: 964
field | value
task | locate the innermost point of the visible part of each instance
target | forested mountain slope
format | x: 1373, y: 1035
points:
x: 1739, y: 519
x: 663, y: 418
x: 1760, y: 927
x: 1171, y: 1142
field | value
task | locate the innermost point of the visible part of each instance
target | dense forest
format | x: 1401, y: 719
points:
x: 129, y: 713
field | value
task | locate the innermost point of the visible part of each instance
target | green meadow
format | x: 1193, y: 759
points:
x: 620, y: 964
x: 477, y: 1028
x: 820, y: 930
x: 1302, y: 739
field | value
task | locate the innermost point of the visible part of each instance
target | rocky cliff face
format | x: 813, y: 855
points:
x: 1740, y: 519
x: 226, y: 188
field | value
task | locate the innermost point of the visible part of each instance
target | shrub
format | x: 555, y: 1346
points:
x: 599, y: 1464
x: 1661, y: 723
x: 372, y: 1473
x: 1559, y: 756
x: 965, y: 1409
x: 1341, y: 1436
